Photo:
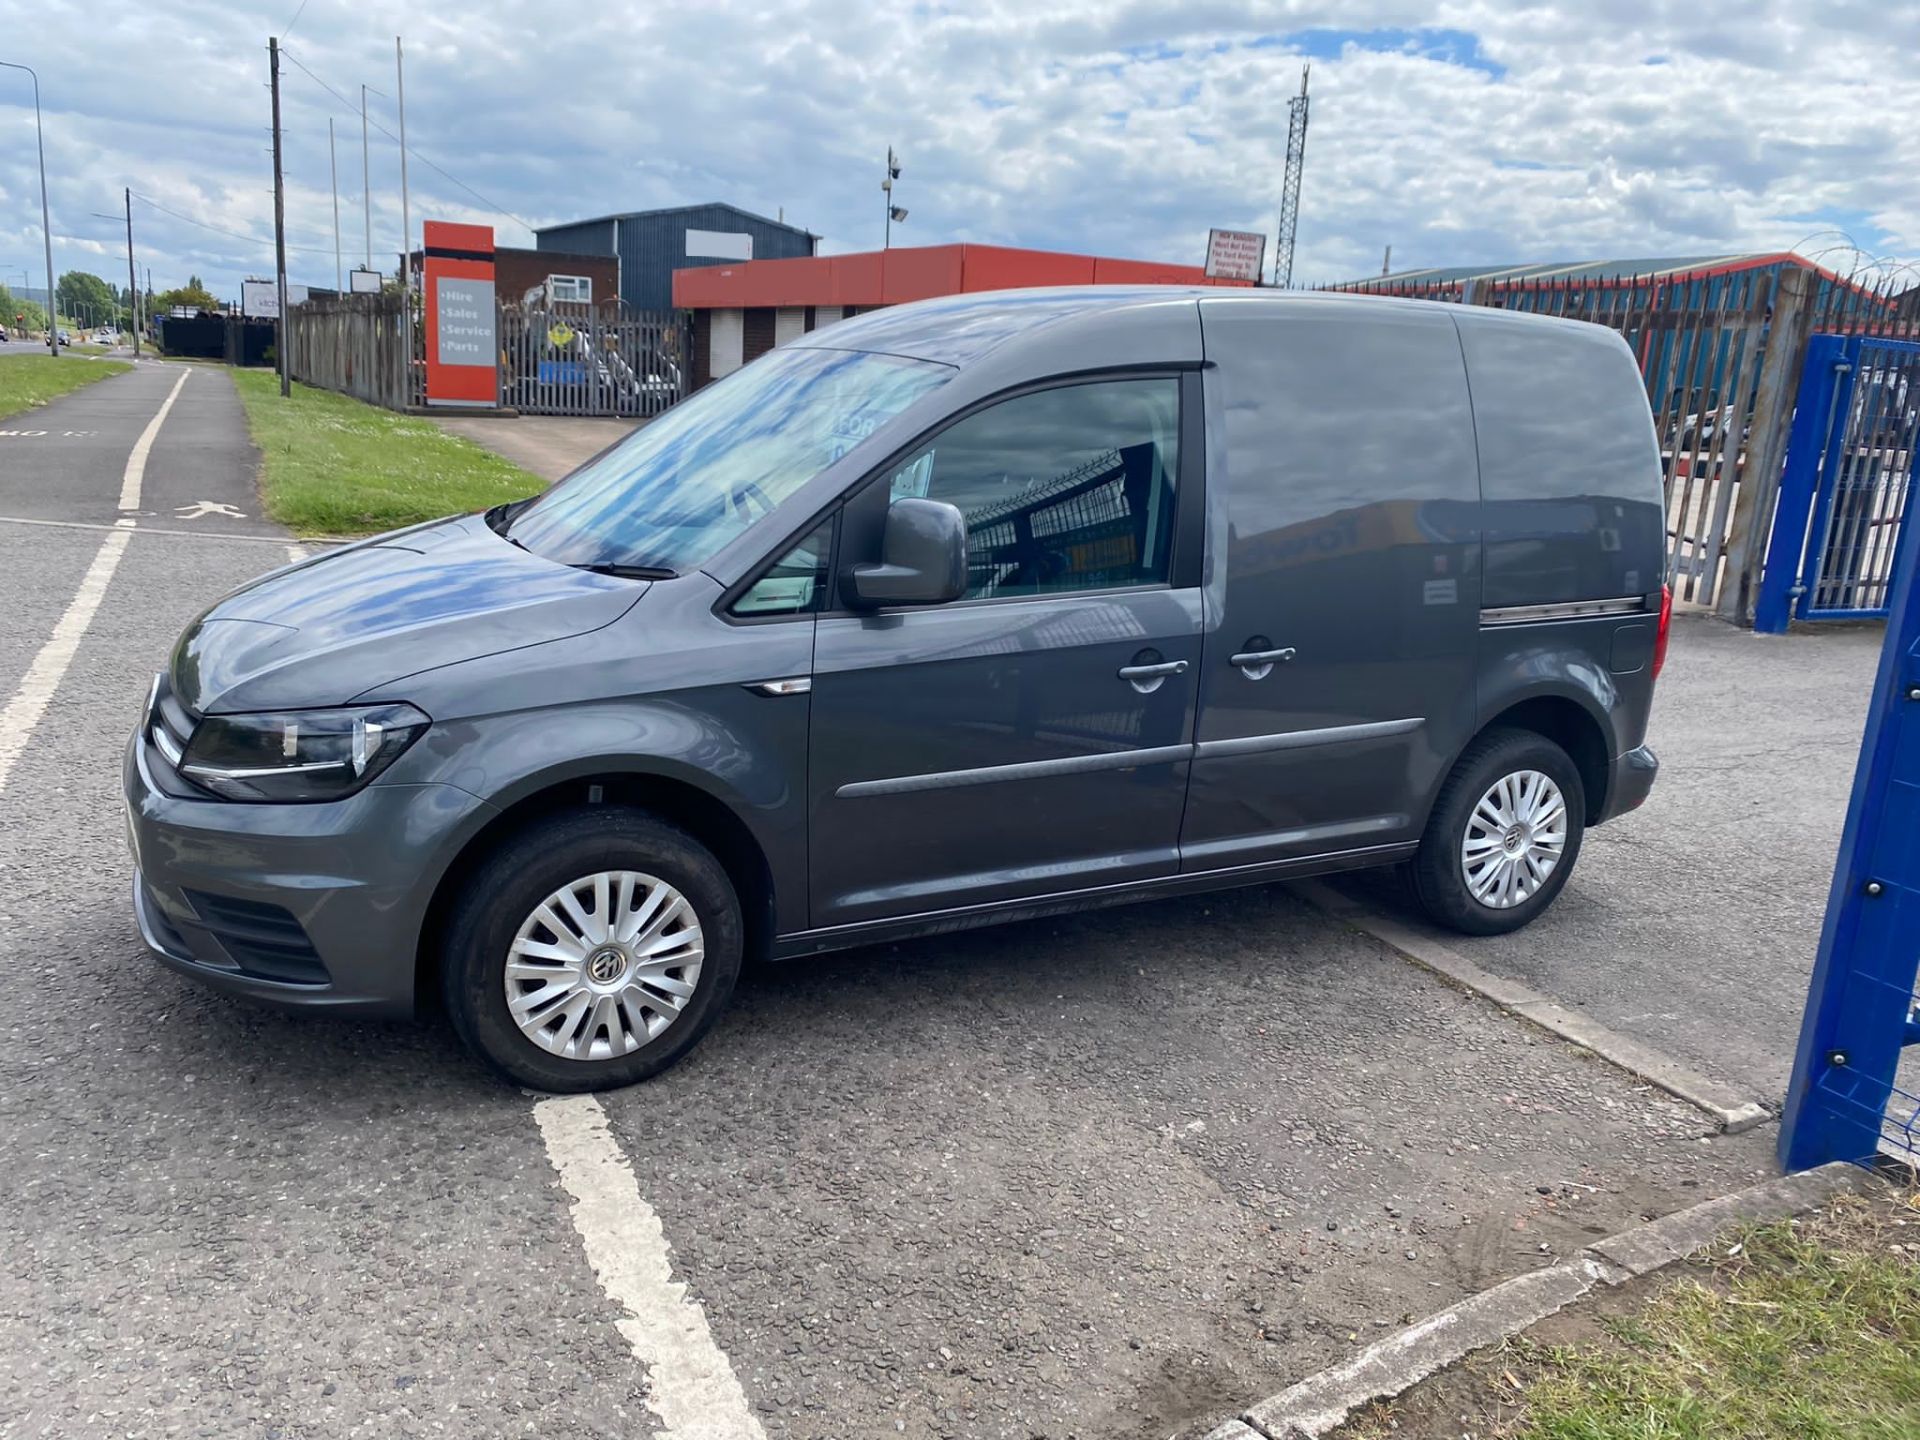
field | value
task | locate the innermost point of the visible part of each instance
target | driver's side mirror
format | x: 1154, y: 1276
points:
x: 923, y: 557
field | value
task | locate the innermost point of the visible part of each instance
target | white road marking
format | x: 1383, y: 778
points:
x: 296, y: 553
x: 691, y: 1386
x: 137, y: 462
x: 219, y: 509
x: 43, y: 676
x: 128, y: 524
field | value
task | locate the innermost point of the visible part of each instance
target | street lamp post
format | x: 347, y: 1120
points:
x: 894, y: 212
x: 46, y: 220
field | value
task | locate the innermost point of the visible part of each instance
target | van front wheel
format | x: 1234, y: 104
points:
x: 1504, y: 834
x: 592, y: 949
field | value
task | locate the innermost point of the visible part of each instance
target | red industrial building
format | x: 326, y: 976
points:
x: 743, y: 310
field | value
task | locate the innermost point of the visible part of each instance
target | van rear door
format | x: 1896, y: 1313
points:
x: 1343, y: 599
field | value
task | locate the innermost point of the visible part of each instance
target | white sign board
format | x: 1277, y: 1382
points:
x: 364, y: 282
x: 719, y: 245
x: 260, y: 299
x: 465, y: 321
x: 1236, y: 254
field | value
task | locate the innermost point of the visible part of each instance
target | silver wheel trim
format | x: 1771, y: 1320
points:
x: 1515, y: 839
x: 604, y: 965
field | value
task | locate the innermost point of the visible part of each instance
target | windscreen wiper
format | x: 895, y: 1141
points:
x: 627, y: 572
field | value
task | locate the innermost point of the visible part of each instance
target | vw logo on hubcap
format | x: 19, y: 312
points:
x: 605, y: 966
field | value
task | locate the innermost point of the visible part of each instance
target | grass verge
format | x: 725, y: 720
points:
x: 332, y: 465
x: 1801, y: 1330
x: 30, y: 380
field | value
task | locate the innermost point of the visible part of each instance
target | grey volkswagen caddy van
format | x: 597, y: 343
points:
x: 958, y: 612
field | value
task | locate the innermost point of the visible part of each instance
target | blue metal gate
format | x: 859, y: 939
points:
x: 1844, y: 497
x: 1848, y: 1100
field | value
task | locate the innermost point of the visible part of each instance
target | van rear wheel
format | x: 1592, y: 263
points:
x: 593, y: 949
x: 1504, y: 834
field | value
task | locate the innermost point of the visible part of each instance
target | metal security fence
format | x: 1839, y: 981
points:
x: 1720, y: 354
x: 1851, y: 1096
x: 1846, y: 494
x: 581, y: 360
x: 560, y: 360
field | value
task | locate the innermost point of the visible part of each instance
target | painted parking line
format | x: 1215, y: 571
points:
x: 137, y: 462
x: 49, y: 667
x: 691, y: 1387
x: 127, y: 523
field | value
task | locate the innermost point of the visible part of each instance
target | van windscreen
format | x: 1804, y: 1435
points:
x: 681, y: 487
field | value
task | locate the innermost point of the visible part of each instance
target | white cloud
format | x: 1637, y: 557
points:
x: 1121, y: 127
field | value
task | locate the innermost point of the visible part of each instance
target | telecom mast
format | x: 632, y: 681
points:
x: 1290, y: 183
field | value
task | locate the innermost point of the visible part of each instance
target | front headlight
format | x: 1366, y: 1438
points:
x: 298, y: 755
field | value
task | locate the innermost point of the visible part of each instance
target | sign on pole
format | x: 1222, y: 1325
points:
x: 1236, y: 255
x: 260, y: 299
x: 364, y: 282
x: 463, y: 345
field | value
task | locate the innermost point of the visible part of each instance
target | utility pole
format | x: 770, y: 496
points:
x: 406, y: 222
x: 1386, y: 262
x: 279, y: 227
x: 46, y: 221
x: 366, y: 174
x: 133, y: 283
x: 333, y: 167
x: 1290, y: 184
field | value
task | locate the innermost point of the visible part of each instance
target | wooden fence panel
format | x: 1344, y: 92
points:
x: 353, y: 344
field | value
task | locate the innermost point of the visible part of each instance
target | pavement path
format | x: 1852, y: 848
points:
x: 1692, y: 923
x: 1111, y: 1175
x: 549, y: 446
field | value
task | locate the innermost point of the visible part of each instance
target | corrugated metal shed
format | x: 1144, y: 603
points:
x: 652, y: 244
x: 1681, y: 283
x: 1654, y: 267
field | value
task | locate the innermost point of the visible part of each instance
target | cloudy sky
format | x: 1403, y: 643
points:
x: 1456, y: 132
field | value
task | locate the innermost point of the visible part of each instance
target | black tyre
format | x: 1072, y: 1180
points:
x: 592, y: 949
x: 1504, y: 834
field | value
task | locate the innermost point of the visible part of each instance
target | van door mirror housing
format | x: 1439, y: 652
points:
x: 923, y: 558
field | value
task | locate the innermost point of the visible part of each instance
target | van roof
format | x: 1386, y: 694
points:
x: 960, y: 329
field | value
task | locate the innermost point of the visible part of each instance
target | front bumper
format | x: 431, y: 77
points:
x: 316, y: 906
x: 1630, y: 783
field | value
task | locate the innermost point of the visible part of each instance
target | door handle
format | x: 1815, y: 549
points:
x: 1147, y: 678
x: 1258, y: 664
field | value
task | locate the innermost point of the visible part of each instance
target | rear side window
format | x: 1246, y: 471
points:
x: 1569, y: 467
x: 1063, y: 490
x: 1559, y: 412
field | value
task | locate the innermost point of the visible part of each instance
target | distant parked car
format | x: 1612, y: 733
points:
x: 66, y: 337
x: 4, y: 337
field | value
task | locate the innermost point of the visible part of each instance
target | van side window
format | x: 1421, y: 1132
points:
x: 1063, y: 490
x: 795, y: 582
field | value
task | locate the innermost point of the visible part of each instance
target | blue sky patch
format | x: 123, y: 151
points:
x: 1431, y: 42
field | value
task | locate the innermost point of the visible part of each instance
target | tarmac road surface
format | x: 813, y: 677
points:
x: 1114, y: 1175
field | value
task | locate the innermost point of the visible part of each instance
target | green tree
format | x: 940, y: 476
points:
x: 87, y: 298
x: 18, y: 313
x: 193, y: 295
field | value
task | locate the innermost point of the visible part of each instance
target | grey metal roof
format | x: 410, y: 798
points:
x: 1576, y: 269
x: 670, y: 210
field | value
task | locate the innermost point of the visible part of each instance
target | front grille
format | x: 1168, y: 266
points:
x: 264, y: 940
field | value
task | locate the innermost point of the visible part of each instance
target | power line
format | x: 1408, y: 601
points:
x: 266, y: 240
x: 353, y: 109
x: 287, y: 29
